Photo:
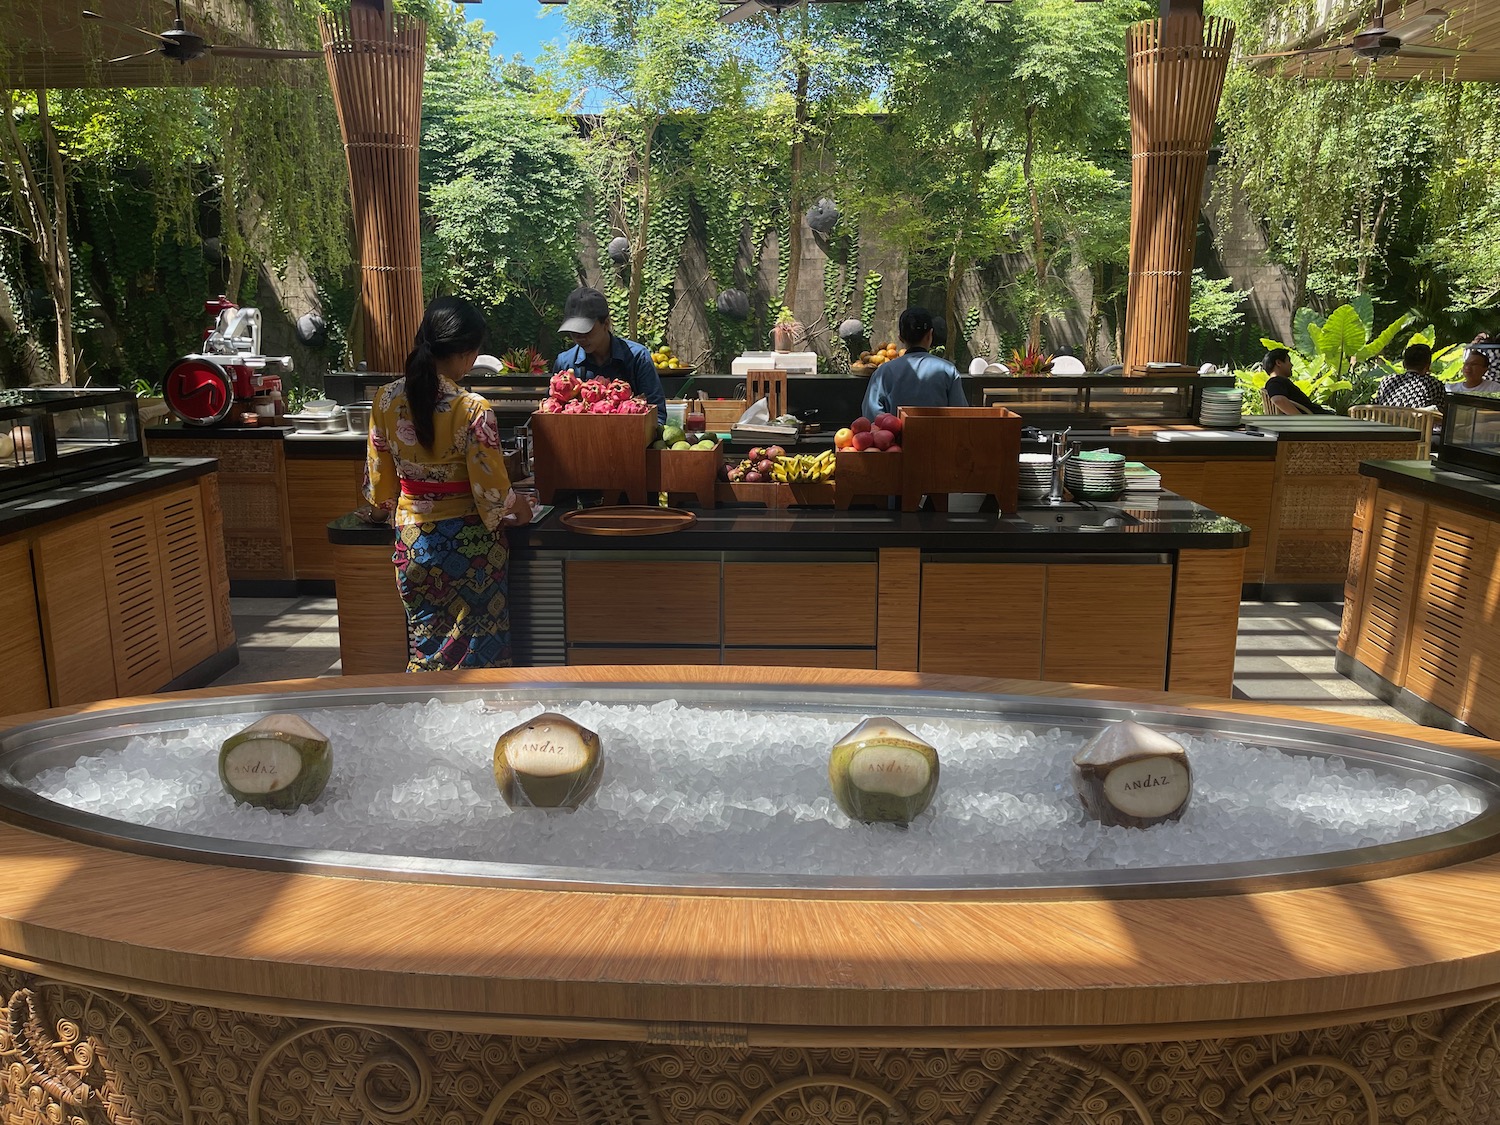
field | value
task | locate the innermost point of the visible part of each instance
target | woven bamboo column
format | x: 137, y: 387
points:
x: 1176, y: 67
x: 375, y: 62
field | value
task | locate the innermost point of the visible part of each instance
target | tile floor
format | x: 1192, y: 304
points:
x: 1285, y: 651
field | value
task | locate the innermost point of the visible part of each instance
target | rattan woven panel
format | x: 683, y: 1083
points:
x: 1318, y: 505
x: 235, y: 455
x: 1338, y: 458
x: 255, y: 556
x: 1310, y: 558
x: 71, y: 1053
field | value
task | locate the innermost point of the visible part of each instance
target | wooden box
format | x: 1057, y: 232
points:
x: 718, y: 413
x: 959, y: 449
x: 591, y: 452
x: 689, y: 471
x: 774, y: 494
x: 871, y: 474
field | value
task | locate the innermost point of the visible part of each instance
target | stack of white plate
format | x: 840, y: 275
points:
x: 1096, y: 476
x: 1036, y: 475
x: 1221, y: 407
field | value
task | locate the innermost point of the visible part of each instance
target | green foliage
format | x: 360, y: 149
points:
x: 1336, y: 359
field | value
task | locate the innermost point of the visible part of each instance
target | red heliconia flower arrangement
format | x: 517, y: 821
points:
x: 566, y: 394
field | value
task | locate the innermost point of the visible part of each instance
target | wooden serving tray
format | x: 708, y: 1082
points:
x: 629, y: 519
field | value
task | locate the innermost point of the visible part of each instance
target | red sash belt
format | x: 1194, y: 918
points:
x: 426, y: 488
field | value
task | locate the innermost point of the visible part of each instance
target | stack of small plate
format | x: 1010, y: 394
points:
x: 1096, y: 476
x: 1221, y: 407
x: 1036, y: 475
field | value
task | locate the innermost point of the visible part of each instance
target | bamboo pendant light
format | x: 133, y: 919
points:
x: 1176, y: 67
x: 375, y: 61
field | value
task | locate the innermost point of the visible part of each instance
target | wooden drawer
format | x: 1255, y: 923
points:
x: 1108, y: 625
x: 659, y: 601
x: 771, y: 604
x: 632, y: 656
x: 983, y: 619
x: 801, y: 657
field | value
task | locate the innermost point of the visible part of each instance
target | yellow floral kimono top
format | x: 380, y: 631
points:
x: 462, y: 474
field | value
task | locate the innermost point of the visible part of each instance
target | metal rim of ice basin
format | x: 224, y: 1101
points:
x: 29, y: 749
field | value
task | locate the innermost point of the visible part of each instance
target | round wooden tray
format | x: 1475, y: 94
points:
x: 676, y: 370
x: 628, y: 519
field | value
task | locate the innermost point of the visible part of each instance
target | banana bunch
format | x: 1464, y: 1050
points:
x: 803, y: 467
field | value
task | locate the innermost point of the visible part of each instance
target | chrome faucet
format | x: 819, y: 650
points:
x: 1061, y: 455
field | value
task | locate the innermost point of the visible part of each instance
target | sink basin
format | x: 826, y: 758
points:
x: 1078, y: 516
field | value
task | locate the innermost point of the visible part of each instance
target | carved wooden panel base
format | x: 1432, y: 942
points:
x: 72, y: 1054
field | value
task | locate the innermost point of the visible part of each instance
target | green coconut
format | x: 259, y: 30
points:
x: 880, y: 771
x: 1132, y: 776
x: 279, y: 762
x: 549, y: 762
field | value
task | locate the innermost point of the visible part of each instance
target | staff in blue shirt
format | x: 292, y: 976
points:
x: 600, y: 354
x: 917, y: 378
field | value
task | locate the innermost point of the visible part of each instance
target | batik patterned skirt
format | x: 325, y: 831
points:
x: 452, y: 577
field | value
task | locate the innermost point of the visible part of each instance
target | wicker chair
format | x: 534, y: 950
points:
x: 1280, y: 404
x: 1423, y: 419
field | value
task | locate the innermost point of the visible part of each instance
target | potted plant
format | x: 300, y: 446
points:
x: 788, y: 332
x: 1033, y: 362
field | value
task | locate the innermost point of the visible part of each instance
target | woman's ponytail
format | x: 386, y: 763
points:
x: 450, y: 326
x: 422, y: 389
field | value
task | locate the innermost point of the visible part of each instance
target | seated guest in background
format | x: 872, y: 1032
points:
x: 1481, y: 368
x: 1278, y: 365
x: 917, y: 378
x: 600, y: 354
x: 1415, y: 386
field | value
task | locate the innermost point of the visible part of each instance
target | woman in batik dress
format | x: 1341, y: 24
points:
x: 434, y: 462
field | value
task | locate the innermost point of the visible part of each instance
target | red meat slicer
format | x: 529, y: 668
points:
x: 202, y: 389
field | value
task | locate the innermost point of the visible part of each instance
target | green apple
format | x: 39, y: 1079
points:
x: 279, y: 762
x: 549, y: 762
x: 880, y: 771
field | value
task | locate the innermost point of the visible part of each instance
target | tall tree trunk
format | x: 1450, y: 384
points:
x: 794, y: 234
x: 1038, y: 246
x: 958, y: 343
x: 43, y: 221
x: 638, y: 251
x: 1367, y: 249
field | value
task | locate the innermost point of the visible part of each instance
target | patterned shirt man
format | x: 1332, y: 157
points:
x: 1415, y: 386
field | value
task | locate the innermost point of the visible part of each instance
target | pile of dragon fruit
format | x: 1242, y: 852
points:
x: 567, y: 394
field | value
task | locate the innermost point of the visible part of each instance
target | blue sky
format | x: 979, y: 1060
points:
x: 520, y: 26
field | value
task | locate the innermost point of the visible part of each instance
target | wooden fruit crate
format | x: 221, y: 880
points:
x: 591, y: 453
x: 960, y: 449
x: 773, y: 494
x: 718, y: 413
x: 869, y: 475
x: 691, y: 472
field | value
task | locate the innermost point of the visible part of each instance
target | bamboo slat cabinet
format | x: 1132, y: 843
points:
x: 126, y: 597
x: 1421, y: 621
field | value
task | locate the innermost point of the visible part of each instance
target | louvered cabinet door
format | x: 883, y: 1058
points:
x: 1393, y: 567
x: 1358, y: 544
x: 134, y: 590
x: 1455, y: 565
x: 182, y: 552
x: 1481, y: 707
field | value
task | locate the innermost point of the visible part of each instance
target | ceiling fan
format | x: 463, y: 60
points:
x: 183, y: 46
x: 1379, y: 42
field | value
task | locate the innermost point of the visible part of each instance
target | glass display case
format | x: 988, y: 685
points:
x: 1471, y: 435
x: 49, y: 434
x: 1092, y: 402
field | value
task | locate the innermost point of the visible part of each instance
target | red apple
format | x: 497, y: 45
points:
x: 860, y: 425
x: 862, y: 441
x: 884, y: 422
x: 883, y: 439
x: 894, y: 449
x: 896, y: 424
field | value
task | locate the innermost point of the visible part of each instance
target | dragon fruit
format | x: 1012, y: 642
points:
x: 564, y: 386
x: 577, y: 406
x: 603, y: 406
x: 549, y: 406
x: 619, y: 391
x: 593, y: 391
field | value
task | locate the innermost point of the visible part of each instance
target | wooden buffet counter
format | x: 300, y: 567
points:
x: 1153, y: 604
x: 113, y: 585
x: 1422, y: 605
x: 144, y: 988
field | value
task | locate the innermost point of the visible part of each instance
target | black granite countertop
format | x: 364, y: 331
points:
x: 174, y: 429
x: 1171, y: 522
x: 69, y: 498
x: 1422, y: 478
